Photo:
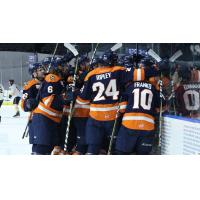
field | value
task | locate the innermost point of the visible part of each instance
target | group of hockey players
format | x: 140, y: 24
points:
x: 109, y: 105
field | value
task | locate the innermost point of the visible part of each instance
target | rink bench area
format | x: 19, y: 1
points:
x: 11, y: 131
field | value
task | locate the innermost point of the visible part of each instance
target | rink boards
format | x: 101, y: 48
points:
x: 180, y: 136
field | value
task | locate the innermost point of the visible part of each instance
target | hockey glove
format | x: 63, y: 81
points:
x: 31, y: 104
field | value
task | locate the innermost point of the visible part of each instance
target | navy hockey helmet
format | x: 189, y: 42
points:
x: 120, y: 61
x: 128, y: 61
x: 147, y: 61
x: 138, y: 55
x: 57, y: 61
x: 164, y: 67
x: 46, y: 61
x: 109, y: 58
x: 83, y: 60
x: 68, y: 57
x: 184, y: 72
x: 95, y: 62
x: 33, y: 67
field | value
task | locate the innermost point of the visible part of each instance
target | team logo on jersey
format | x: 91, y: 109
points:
x: 52, y: 77
x: 37, y: 86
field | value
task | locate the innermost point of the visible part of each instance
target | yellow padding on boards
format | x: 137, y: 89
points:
x: 9, y: 103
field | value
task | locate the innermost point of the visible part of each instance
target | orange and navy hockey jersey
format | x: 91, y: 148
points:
x: 30, y: 91
x: 142, y: 99
x: 51, y: 99
x: 80, y: 110
x: 102, y: 89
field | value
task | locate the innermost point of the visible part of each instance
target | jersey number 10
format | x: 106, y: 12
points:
x: 144, y: 98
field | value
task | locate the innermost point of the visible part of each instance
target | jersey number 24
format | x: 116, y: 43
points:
x: 110, y: 90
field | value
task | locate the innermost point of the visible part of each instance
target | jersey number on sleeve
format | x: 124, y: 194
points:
x: 111, y: 90
x: 144, y: 98
x: 25, y: 96
x: 50, y: 89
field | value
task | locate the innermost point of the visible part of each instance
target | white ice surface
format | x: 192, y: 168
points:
x: 11, y: 131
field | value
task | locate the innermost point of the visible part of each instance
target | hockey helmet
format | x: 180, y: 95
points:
x: 184, y: 72
x: 83, y: 60
x: 146, y: 61
x: 33, y: 67
x: 109, y: 58
x: 11, y: 81
x: 68, y: 57
x: 46, y: 61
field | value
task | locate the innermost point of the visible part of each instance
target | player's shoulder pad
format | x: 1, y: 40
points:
x: 101, y: 70
x: 118, y: 68
x: 52, y: 78
x: 30, y: 83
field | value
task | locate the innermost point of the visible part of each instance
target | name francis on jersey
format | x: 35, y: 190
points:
x: 142, y: 99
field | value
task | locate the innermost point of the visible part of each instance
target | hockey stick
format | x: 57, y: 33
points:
x: 114, y: 129
x: 94, y: 53
x: 172, y: 59
x: 75, y: 53
x: 24, y: 134
x: 116, y: 47
x: 160, y: 115
x: 54, y: 53
x: 176, y: 56
x: 154, y: 55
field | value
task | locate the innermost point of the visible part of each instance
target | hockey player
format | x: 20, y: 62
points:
x: 101, y: 90
x: 45, y: 127
x: 187, y: 94
x: 138, y: 124
x: 1, y: 97
x: 14, y: 93
x: 31, y: 88
x: 81, y: 112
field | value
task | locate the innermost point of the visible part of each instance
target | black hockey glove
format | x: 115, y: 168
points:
x: 31, y: 104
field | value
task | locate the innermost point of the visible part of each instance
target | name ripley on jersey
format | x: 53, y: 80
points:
x: 103, y: 76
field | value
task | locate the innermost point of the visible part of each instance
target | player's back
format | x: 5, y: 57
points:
x: 102, y: 89
x: 142, y: 99
x: 188, y: 99
x: 51, y: 99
